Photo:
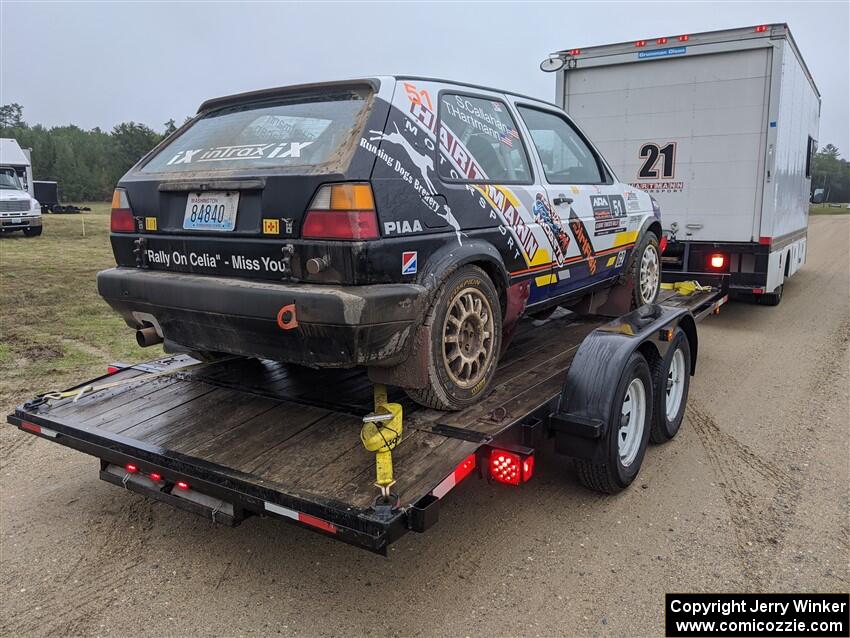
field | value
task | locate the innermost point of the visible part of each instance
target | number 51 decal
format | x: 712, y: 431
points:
x: 651, y: 152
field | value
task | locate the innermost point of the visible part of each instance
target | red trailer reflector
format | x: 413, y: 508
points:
x: 463, y: 469
x: 510, y: 468
x: 766, y: 241
x: 301, y: 517
x: 662, y: 245
x: 37, y: 429
x: 112, y: 369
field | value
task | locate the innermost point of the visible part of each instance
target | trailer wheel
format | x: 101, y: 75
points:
x: 771, y: 298
x: 624, y: 444
x: 466, y: 335
x: 671, y: 383
x: 646, y: 271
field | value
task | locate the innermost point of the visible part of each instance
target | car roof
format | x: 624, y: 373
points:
x: 373, y: 82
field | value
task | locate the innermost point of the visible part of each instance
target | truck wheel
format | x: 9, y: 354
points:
x: 624, y: 444
x: 771, y: 298
x: 671, y: 383
x: 646, y: 271
x: 466, y: 334
x: 32, y: 231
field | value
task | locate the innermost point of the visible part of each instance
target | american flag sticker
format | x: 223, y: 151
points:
x: 408, y: 262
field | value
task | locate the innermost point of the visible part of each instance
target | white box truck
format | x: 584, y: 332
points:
x: 720, y: 127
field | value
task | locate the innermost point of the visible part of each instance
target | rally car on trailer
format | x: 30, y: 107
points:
x: 398, y: 223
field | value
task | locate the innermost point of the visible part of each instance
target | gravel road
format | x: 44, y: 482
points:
x: 752, y: 495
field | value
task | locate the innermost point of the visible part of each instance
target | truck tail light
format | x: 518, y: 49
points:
x: 511, y: 468
x: 661, y: 41
x: 121, y: 220
x: 640, y: 43
x: 342, y: 211
x: 683, y: 38
x: 761, y: 28
x: 717, y: 261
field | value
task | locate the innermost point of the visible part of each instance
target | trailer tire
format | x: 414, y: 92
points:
x: 646, y: 270
x: 469, y: 295
x: 624, y: 444
x: 671, y: 376
x: 771, y: 298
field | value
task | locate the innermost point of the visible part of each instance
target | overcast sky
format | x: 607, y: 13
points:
x: 97, y: 64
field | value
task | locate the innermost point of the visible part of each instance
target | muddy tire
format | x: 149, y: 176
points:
x: 646, y: 270
x: 465, y: 322
x: 627, y: 436
x: 671, y: 377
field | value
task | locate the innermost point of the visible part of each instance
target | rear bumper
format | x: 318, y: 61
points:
x: 334, y: 326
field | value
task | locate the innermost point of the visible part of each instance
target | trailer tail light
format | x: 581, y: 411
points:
x: 717, y: 261
x: 574, y: 51
x: 182, y: 485
x: 683, y: 38
x: 640, y: 43
x: 121, y: 219
x: 761, y: 28
x: 155, y: 476
x: 511, y: 468
x: 131, y: 469
x: 342, y: 211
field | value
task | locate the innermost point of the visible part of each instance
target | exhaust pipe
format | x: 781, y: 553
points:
x: 147, y: 336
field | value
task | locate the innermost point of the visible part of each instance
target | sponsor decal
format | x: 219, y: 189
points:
x: 240, y: 152
x: 662, y: 53
x: 150, y: 223
x: 632, y: 202
x: 609, y: 212
x: 583, y: 240
x: 271, y: 226
x: 621, y: 257
x: 509, y: 211
x: 551, y: 224
x: 408, y: 262
x: 659, y: 187
x: 402, y: 227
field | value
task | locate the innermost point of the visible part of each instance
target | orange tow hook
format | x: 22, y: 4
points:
x: 286, y: 318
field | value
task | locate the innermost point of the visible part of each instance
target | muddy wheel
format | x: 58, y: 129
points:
x: 624, y: 445
x: 466, y: 332
x: 646, y: 271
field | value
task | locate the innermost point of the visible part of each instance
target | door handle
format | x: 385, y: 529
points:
x: 562, y: 199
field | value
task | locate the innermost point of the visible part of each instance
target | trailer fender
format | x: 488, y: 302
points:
x: 586, y: 402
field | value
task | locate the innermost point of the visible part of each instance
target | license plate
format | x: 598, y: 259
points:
x: 211, y: 211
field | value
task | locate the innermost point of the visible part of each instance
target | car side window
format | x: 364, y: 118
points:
x: 479, y: 142
x: 565, y: 157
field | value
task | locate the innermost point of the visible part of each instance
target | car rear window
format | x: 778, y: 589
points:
x: 304, y: 130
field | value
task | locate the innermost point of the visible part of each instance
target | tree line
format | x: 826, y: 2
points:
x: 88, y: 164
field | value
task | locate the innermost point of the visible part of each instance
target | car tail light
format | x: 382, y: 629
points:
x: 342, y: 211
x: 121, y: 220
x: 717, y: 261
x: 510, y: 467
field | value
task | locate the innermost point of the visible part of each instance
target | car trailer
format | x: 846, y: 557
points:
x: 241, y: 437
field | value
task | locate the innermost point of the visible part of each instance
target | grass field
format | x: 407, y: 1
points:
x: 826, y: 209
x: 55, y: 329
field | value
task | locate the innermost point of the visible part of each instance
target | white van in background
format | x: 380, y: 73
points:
x: 720, y: 127
x: 19, y: 210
